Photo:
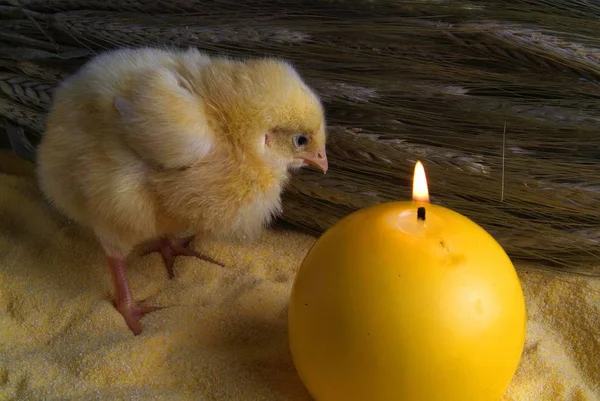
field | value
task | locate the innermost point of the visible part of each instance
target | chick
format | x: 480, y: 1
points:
x: 147, y: 144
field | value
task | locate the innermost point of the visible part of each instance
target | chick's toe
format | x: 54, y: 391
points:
x: 169, y: 248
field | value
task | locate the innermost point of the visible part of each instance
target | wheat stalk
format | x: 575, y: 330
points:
x: 22, y: 115
x: 117, y: 29
x: 46, y: 73
x: 401, y: 81
x: 26, y: 90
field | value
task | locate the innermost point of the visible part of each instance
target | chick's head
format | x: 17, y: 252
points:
x: 296, y: 145
x: 265, y: 105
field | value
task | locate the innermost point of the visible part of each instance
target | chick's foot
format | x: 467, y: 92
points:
x: 131, y: 311
x: 169, y: 248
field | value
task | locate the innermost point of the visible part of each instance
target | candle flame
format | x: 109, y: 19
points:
x: 420, y: 190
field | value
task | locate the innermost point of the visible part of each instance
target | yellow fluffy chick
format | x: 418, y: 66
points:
x: 145, y: 144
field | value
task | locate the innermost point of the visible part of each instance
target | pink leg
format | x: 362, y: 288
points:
x: 126, y: 305
x: 169, y: 248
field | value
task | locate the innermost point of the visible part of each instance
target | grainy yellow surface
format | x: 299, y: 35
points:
x: 223, y: 333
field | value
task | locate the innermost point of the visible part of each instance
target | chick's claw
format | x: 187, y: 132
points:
x: 133, y: 312
x: 169, y: 248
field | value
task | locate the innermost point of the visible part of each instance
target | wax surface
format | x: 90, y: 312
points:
x: 386, y: 306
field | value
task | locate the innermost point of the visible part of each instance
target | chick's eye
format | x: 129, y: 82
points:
x: 300, y: 140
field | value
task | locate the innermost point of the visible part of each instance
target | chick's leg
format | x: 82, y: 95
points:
x: 126, y: 305
x: 171, y: 247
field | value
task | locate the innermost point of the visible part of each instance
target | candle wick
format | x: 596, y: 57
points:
x: 421, y: 213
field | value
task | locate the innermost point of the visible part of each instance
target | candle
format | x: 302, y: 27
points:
x: 406, y: 301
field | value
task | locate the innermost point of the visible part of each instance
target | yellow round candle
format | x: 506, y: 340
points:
x: 400, y: 303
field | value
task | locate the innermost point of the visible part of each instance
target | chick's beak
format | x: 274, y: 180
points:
x: 318, y: 160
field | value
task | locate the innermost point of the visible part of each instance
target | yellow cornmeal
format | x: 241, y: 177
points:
x: 223, y: 333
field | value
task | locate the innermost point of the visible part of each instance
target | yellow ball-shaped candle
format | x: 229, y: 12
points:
x: 406, y: 301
